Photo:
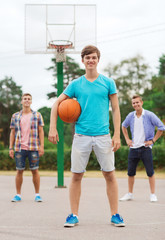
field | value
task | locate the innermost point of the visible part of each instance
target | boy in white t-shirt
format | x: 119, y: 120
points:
x: 142, y: 124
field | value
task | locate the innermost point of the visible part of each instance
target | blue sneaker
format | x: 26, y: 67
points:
x: 71, y: 221
x: 38, y: 199
x: 16, y: 199
x: 117, y: 220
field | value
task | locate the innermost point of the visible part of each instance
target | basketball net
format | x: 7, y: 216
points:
x: 60, y: 55
x: 60, y: 46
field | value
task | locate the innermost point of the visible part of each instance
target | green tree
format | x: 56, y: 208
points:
x: 131, y: 76
x: 45, y: 111
x: 154, y: 96
x: 71, y: 71
x: 162, y: 65
x: 10, y: 102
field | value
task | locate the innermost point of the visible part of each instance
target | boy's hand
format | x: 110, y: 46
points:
x: 53, y: 136
x: 41, y: 151
x: 11, y: 153
x: 115, y: 143
x: 148, y: 143
x: 129, y: 143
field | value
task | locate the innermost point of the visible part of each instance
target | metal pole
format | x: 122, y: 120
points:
x: 60, y: 128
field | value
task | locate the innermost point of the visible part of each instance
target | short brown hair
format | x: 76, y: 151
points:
x: 90, y: 49
x: 137, y: 96
x: 26, y: 94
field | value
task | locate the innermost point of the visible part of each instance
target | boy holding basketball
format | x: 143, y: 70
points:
x: 93, y: 91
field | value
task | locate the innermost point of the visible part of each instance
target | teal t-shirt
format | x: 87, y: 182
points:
x: 93, y: 98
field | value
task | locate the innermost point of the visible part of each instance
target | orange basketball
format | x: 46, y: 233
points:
x: 69, y: 110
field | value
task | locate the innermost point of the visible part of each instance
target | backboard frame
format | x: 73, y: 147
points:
x: 48, y: 25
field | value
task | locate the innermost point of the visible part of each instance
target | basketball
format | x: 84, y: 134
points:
x: 69, y: 110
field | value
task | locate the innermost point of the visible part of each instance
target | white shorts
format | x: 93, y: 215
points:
x: 82, y: 147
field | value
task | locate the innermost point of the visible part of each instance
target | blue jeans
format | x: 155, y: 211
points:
x: 33, y: 157
x: 137, y: 154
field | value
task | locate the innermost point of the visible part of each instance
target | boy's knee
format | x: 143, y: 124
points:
x: 150, y: 174
x: 77, y: 177
x: 35, y: 171
x: 109, y: 176
x: 20, y: 172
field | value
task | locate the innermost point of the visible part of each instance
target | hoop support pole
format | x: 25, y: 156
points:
x: 60, y: 128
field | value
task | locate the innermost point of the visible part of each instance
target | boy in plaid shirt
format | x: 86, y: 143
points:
x: 27, y: 138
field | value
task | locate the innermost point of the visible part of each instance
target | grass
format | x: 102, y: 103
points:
x: 159, y: 174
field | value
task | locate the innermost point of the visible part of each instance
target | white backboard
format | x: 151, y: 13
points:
x: 47, y: 22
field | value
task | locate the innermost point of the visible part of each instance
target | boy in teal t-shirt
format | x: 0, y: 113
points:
x: 93, y: 92
x: 93, y: 98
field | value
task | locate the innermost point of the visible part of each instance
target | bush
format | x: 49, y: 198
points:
x: 49, y: 160
x: 159, y: 156
x: 2, y: 146
x: 6, y: 163
x: 49, y: 145
x: 121, y: 158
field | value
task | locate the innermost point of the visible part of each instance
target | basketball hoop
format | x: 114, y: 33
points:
x: 60, y: 46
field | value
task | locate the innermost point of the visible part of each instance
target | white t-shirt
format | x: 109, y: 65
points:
x: 139, y: 136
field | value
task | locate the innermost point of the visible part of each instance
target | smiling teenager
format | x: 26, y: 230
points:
x: 142, y: 124
x: 26, y: 141
x: 93, y: 91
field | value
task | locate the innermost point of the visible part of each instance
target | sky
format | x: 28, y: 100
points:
x: 125, y: 28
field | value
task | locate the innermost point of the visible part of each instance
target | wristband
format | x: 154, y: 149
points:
x: 153, y: 141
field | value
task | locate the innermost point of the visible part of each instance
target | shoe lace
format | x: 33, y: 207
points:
x: 69, y: 217
x: 119, y: 217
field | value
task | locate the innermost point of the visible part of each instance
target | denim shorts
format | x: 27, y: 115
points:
x: 137, y: 154
x: 33, y: 157
x: 82, y: 147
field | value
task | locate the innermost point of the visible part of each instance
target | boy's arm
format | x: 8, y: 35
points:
x: 11, y: 144
x: 127, y: 139
x: 155, y: 138
x: 41, y: 138
x: 157, y: 135
x: 116, y: 122
x: 53, y: 134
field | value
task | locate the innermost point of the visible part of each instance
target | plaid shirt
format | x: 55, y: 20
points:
x: 35, y: 121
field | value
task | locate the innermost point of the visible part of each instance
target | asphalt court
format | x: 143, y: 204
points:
x: 30, y: 220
